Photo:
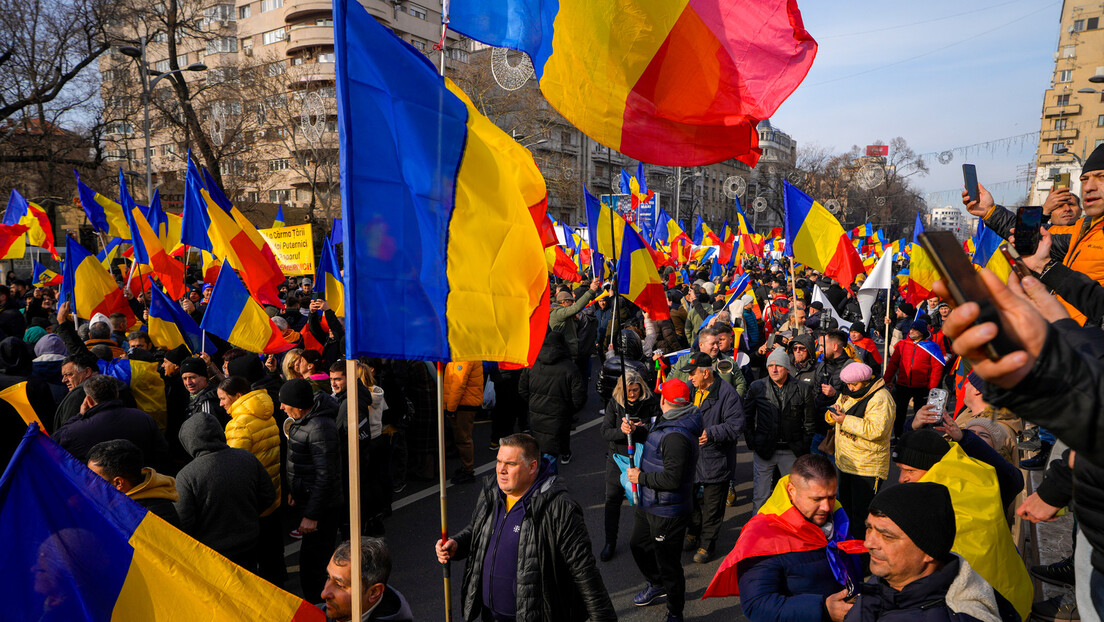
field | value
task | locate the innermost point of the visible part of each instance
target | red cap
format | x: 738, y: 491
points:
x: 675, y: 392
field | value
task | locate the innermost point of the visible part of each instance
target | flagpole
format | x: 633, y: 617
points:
x: 353, y: 421
x: 621, y: 357
x: 885, y: 331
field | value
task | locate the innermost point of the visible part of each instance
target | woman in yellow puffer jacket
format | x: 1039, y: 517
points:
x: 252, y: 426
x: 863, y: 416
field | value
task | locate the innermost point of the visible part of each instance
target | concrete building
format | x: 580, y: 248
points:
x: 1071, y: 120
x: 779, y: 158
x: 951, y: 219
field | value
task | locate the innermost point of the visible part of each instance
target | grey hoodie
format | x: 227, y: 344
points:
x: 222, y: 490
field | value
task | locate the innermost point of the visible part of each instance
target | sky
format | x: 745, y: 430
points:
x: 943, y: 74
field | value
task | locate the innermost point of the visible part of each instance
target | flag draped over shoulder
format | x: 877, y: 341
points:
x: 815, y: 238
x: 779, y: 528
x: 78, y: 549
x: 672, y: 83
x: 232, y: 315
x: 441, y: 211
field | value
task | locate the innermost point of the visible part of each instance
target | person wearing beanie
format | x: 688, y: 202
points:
x: 862, y: 420
x: 915, y: 368
x: 915, y: 576
x: 314, y: 476
x: 973, y: 407
x: 202, y: 395
x: 780, y: 420
x: 865, y: 347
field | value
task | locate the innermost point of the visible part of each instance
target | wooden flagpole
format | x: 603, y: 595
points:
x: 353, y: 423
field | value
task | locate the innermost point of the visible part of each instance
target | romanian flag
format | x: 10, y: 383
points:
x: 328, y: 281
x: 704, y: 235
x: 145, y: 382
x: 39, y: 230
x: 898, y: 248
x: 43, y: 276
x: 77, y: 549
x: 672, y: 83
x: 981, y: 535
x: 636, y: 186
x: 742, y: 224
x: 106, y: 215
x: 606, y: 227
x: 279, y: 222
x: 986, y: 251
x: 13, y: 241
x: 922, y: 272
x: 637, y: 276
x: 170, y: 326
x: 111, y: 252
x: 147, y: 246
x: 211, y: 267
x: 779, y: 528
x: 87, y: 284
x: 276, y: 274
x: 814, y: 237
x: 234, y: 316
x: 560, y: 265
x: 167, y: 226
x: 446, y: 211
x: 668, y: 234
x: 862, y: 231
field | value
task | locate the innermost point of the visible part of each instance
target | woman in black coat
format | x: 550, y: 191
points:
x: 555, y: 391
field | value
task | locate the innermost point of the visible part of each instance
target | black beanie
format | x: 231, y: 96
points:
x: 193, y: 365
x: 859, y: 327
x: 920, y: 449
x: 297, y: 393
x: 1095, y: 161
x: 249, y: 367
x: 177, y: 355
x: 923, y: 510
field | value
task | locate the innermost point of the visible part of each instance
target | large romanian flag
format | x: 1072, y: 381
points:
x: 40, y: 232
x: 440, y: 209
x: 637, y: 276
x: 815, y: 238
x: 105, y: 215
x: 87, y: 284
x: 148, y: 250
x: 77, y: 549
x: 234, y: 316
x: 673, y: 82
x: 922, y: 274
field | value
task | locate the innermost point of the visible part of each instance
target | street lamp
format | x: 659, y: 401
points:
x: 139, y: 54
x: 1064, y: 150
x: 539, y: 142
x: 678, y: 189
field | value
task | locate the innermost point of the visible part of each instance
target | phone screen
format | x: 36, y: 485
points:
x: 969, y: 178
x: 1028, y: 221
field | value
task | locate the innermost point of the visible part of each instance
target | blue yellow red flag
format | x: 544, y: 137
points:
x: 466, y: 276
x: 670, y: 83
x: 637, y: 276
x: 147, y: 246
x: 279, y: 221
x: 78, y: 549
x: 328, y: 281
x: 40, y: 232
x: 88, y: 286
x: 986, y: 251
x: 922, y: 274
x: 13, y: 241
x: 814, y: 237
x: 170, y: 326
x: 105, y: 215
x: 43, y: 276
x: 234, y: 316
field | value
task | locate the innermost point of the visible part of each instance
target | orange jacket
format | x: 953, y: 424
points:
x: 1085, y: 254
x: 463, y: 385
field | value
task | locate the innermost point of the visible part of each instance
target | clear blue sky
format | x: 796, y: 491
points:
x: 941, y: 73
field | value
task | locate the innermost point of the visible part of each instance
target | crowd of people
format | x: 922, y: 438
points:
x: 243, y: 452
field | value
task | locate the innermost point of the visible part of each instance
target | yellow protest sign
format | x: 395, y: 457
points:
x: 293, y: 248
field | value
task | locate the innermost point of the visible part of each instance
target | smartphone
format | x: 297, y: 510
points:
x: 319, y: 296
x: 1062, y: 180
x: 937, y: 399
x: 969, y: 178
x: 965, y: 285
x: 1013, y: 258
x: 1028, y: 220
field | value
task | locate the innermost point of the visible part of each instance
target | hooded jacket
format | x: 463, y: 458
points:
x: 253, y: 429
x: 222, y: 490
x: 557, y: 578
x: 562, y: 320
x: 157, y: 493
x: 862, y: 440
x: 555, y: 391
x: 955, y: 592
x: 314, y: 461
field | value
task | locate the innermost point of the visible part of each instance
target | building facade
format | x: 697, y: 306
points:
x: 952, y: 219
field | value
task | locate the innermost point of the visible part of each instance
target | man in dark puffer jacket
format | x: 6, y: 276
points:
x: 555, y: 392
x: 314, y: 476
x: 529, y: 555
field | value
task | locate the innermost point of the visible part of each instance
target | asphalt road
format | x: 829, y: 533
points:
x: 414, y: 526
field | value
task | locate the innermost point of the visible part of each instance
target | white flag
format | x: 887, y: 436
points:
x: 818, y: 295
x: 879, y: 280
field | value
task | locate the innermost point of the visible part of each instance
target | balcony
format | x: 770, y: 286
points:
x: 382, y: 10
x: 1062, y: 111
x: 312, y: 72
x: 309, y: 37
x: 298, y: 9
x: 1066, y: 134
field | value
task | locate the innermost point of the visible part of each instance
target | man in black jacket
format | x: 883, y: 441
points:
x: 529, y: 555
x: 665, y: 485
x: 780, y: 425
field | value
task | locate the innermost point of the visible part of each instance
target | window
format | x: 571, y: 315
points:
x: 161, y: 66
x: 326, y: 57
x: 324, y: 21
x: 182, y: 61
x: 1054, y: 147
x: 222, y: 45
x: 1078, y: 25
x: 1100, y: 121
x: 457, y: 54
x: 273, y: 36
x: 1066, y: 75
x: 270, y: 5
x: 565, y: 138
x: 1093, y: 23
x: 245, y: 11
x: 1060, y: 124
x: 278, y: 196
x: 418, y: 44
x: 168, y: 149
x: 253, y: 196
x: 219, y: 75
x: 275, y: 69
x: 1099, y: 141
x: 1063, y: 100
x: 417, y: 11
x: 1069, y: 51
x: 159, y: 37
x: 219, y: 12
x: 281, y: 164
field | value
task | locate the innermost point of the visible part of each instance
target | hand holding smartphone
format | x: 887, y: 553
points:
x: 970, y: 180
x: 1028, y: 220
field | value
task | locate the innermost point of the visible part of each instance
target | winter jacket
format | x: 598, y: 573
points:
x: 954, y: 593
x: 373, y: 450
x: 463, y: 386
x: 628, y: 346
x: 157, y: 493
x: 314, y: 463
x: 912, y: 366
x: 392, y: 607
x: 667, y: 478
x: 1078, y: 290
x: 222, y: 490
x: 722, y: 413
x: 557, y: 578
x: 1056, y: 489
x: 779, y: 417
x: 828, y: 372
x: 333, y: 349
x: 562, y: 320
x: 555, y: 392
x: 790, y: 587
x: 109, y: 421
x: 640, y: 411
x: 206, y: 401
x: 69, y: 407
x: 734, y: 377
x: 862, y: 440
x: 253, y: 429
